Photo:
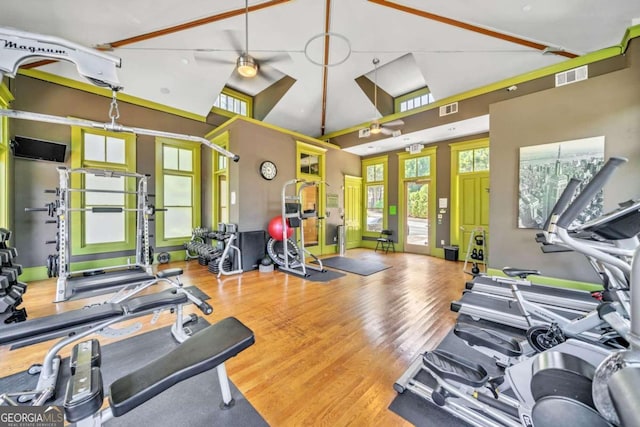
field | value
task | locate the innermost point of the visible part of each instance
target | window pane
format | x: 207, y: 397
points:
x: 465, y: 161
x: 243, y: 109
x: 186, y: 160
x: 403, y: 106
x: 169, y: 157
x: 93, y: 182
x: 222, y: 162
x: 424, y: 166
x: 375, y: 206
x: 223, y: 101
x: 410, y: 168
x: 94, y: 147
x: 481, y: 159
x: 115, y: 150
x: 177, y: 190
x: 371, y: 173
x: 177, y: 223
x: 104, y: 227
x: 379, y: 175
x: 424, y: 99
x: 410, y: 104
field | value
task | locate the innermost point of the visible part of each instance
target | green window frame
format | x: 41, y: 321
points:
x: 177, y: 190
x: 83, y: 157
x: 5, y: 99
x: 220, y: 187
x: 473, y: 160
x: 231, y: 103
x: 374, y: 172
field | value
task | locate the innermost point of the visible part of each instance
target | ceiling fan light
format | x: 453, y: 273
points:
x: 375, y: 128
x: 247, y: 66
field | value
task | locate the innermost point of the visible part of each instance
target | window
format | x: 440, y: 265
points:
x: 230, y: 103
x: 474, y: 160
x: 309, y: 164
x: 413, y: 100
x: 220, y: 185
x: 417, y: 167
x: 177, y: 190
x: 375, y: 174
x: 102, y: 232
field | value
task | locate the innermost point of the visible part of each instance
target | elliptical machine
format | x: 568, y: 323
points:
x: 288, y: 254
x: 573, y: 384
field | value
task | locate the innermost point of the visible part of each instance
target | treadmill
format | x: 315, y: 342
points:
x: 620, y: 226
x: 551, y: 295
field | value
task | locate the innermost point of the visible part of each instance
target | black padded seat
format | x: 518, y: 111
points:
x: 150, y: 302
x: 519, y: 272
x: 169, y: 272
x: 203, y: 351
x: 42, y: 325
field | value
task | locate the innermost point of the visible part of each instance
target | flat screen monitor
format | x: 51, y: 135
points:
x: 38, y: 149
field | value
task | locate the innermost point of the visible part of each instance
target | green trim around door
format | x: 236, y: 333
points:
x: 402, y: 157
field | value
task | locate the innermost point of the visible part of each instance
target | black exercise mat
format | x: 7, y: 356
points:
x: 316, y: 276
x: 351, y: 265
x: 194, y: 402
x: 421, y: 413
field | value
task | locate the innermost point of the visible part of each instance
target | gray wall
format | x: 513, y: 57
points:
x: 31, y: 178
x: 259, y: 200
x: 606, y: 105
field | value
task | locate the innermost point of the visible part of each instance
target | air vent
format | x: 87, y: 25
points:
x: 452, y: 108
x: 572, y: 76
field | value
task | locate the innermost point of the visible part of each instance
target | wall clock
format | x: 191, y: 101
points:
x: 268, y: 170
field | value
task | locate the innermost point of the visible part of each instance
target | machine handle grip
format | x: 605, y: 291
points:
x: 589, y: 192
x: 50, y: 242
x: 563, y: 201
x: 36, y: 209
x: 205, y: 307
x: 106, y: 210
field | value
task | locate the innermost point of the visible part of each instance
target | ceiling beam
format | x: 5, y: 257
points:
x: 470, y: 27
x: 325, y: 68
x: 173, y: 29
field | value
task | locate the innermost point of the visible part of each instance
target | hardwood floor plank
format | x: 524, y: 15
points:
x: 325, y: 353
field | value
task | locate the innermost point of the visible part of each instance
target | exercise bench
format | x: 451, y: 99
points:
x: 77, y: 324
x: 205, y: 350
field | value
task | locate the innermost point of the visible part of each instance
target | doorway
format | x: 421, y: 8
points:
x: 416, y: 226
x: 470, y: 193
x: 352, y: 211
x: 311, y: 168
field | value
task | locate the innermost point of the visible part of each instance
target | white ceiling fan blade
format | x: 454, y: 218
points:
x: 394, y: 123
x: 274, y: 58
x: 386, y: 131
x: 234, y: 41
x: 210, y: 58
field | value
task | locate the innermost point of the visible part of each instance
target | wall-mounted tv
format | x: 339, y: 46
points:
x: 38, y: 149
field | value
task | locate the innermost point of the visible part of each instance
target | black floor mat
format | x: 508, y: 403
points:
x: 356, y: 266
x: 193, y: 402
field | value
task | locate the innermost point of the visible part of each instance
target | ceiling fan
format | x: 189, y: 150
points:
x: 376, y: 127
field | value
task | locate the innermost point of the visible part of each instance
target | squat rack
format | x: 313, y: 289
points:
x: 143, y: 211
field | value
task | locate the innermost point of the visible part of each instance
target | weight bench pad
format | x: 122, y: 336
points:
x: 31, y: 328
x: 170, y: 272
x: 158, y: 300
x: 203, y: 351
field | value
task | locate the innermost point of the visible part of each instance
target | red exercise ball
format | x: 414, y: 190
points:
x: 275, y: 228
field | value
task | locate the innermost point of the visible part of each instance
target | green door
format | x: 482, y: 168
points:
x: 469, y: 193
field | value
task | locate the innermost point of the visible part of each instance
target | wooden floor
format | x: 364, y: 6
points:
x: 325, y: 353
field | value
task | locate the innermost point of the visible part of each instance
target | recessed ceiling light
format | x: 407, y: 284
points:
x: 185, y: 61
x: 165, y: 90
x: 526, y: 8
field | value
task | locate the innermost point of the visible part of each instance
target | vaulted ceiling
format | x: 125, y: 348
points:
x: 183, y: 54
